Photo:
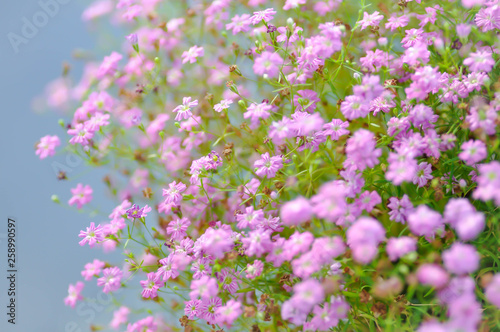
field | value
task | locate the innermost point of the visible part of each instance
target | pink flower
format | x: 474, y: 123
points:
x: 354, y: 107
x: 488, y: 182
x: 74, y: 294
x: 109, y: 65
x: 47, y: 146
x: 120, y: 317
x: 223, y: 105
x: 361, y: 150
x: 480, y: 61
x: 423, y: 174
x: 169, y: 268
x: 433, y: 275
x: 147, y: 324
x: 425, y: 222
x: 192, y: 54
x: 400, y: 209
x: 228, y: 313
x: 135, y: 212
x: 399, y: 247
x: 257, y: 242
x: 204, y: 288
x: 327, y: 248
x: 305, y: 100
x: 461, y: 258
x: 367, y: 200
x: 192, y: 308
x: 178, y: 228
x: 92, y: 236
x: 97, y: 8
x: 307, y: 294
x: 97, y: 121
x: 111, y: 279
x: 228, y: 280
x: 132, y: 12
x: 370, y: 20
x: 92, y: 269
x: 256, y: 112
x: 250, y: 218
x: 296, y: 211
x: 395, y: 22
x: 268, y: 166
x: 239, y: 24
x: 336, y: 128
x: 363, y: 238
x: 429, y: 16
x: 472, y: 3
x: 151, y: 285
x: 330, y: 201
x: 254, y: 270
x: 492, y: 291
x: 173, y: 195
x: 463, y: 30
x: 488, y: 18
x: 81, y: 195
x: 120, y: 210
x: 306, y: 124
x: 264, y: 15
x: 473, y: 151
x: 268, y: 63
x: 184, y: 110
x: 81, y: 134
x: 290, y: 4
x: 209, y: 309
x: 217, y: 242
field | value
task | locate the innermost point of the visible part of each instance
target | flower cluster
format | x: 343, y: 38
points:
x: 333, y: 165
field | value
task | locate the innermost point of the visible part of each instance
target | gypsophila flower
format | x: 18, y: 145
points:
x: 265, y: 15
x: 173, y: 195
x: 223, y: 105
x: 192, y: 54
x: 92, y: 269
x: 184, y: 111
x: 461, y: 258
x: 239, y: 24
x: 81, y: 134
x: 120, y: 317
x: 254, y: 270
x: 268, y: 63
x: 151, y: 285
x: 92, y: 235
x: 177, y: 228
x: 268, y: 166
x: 47, y: 146
x: 473, y: 152
x: 370, y: 20
x: 480, y: 61
x: 74, y: 294
x: 111, y: 279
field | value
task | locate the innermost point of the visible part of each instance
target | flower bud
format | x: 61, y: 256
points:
x: 55, y: 199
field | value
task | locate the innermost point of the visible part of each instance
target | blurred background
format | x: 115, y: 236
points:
x: 48, y: 255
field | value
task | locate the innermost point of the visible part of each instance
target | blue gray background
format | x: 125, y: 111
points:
x: 49, y: 257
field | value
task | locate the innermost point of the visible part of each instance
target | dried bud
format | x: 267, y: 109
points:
x: 271, y: 28
x: 249, y: 312
x: 364, y: 296
x: 147, y: 192
x: 184, y: 320
x: 387, y: 288
x: 379, y: 309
